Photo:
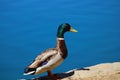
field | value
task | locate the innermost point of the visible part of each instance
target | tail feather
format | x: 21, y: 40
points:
x: 29, y: 71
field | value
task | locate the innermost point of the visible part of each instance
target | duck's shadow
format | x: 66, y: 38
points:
x: 59, y: 75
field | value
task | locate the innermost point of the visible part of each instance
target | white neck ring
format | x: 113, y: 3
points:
x: 60, y: 38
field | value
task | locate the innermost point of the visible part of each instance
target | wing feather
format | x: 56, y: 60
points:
x: 43, y: 58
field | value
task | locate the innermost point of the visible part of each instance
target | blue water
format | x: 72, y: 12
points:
x: 27, y: 27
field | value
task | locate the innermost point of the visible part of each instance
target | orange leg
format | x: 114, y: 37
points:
x: 51, y: 75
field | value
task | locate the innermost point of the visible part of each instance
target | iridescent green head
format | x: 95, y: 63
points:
x: 64, y: 28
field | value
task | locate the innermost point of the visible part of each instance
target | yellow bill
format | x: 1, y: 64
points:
x: 73, y: 30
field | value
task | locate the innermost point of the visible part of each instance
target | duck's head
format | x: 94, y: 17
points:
x: 64, y: 28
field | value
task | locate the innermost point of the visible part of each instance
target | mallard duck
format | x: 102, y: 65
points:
x: 51, y: 58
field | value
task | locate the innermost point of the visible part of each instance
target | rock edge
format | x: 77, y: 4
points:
x: 104, y: 71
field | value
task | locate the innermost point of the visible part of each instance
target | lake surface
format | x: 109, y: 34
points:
x: 27, y: 27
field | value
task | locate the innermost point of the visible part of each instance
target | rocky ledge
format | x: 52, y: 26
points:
x: 104, y: 71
